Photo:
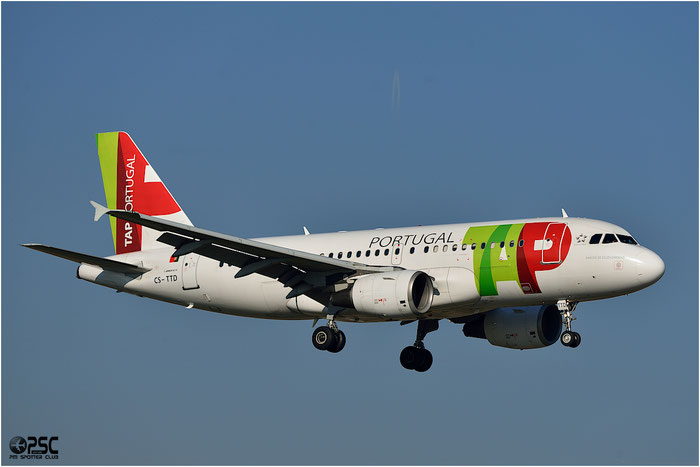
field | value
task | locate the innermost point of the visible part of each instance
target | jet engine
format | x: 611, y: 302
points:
x: 396, y: 294
x: 529, y: 327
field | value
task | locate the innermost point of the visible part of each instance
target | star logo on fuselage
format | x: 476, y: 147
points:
x: 581, y: 238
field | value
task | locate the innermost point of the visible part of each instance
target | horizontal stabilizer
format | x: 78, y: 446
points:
x: 104, y: 263
x: 99, y: 210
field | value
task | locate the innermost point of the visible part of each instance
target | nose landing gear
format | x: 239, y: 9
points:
x: 417, y: 357
x: 568, y: 338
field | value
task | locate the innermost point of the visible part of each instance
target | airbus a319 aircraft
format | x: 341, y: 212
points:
x: 514, y: 283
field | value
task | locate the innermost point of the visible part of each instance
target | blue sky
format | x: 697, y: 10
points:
x: 262, y: 118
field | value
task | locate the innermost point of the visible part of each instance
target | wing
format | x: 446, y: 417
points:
x: 306, y: 273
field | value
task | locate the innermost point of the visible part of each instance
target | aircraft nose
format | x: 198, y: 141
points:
x: 650, y: 268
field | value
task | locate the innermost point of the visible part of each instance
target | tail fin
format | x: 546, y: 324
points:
x: 131, y: 184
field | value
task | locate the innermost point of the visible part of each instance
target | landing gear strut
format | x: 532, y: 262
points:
x: 329, y: 337
x: 417, y: 357
x: 568, y: 338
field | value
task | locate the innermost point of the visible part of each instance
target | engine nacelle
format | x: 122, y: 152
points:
x: 396, y: 294
x: 529, y: 327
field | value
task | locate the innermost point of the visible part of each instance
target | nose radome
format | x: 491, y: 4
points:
x: 650, y: 268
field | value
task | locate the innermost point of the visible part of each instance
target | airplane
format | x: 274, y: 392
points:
x: 514, y: 283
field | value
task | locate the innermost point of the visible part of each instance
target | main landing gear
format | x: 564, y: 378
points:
x: 329, y: 337
x: 417, y: 357
x: 568, y: 338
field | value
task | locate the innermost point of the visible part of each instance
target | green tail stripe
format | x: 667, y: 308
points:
x: 107, y: 149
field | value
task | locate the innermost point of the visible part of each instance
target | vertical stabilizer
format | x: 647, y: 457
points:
x: 131, y: 184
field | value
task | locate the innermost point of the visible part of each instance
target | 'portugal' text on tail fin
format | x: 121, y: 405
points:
x: 131, y: 184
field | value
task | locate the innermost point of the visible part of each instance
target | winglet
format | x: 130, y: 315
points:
x: 99, y: 210
x: 306, y: 231
x: 563, y: 213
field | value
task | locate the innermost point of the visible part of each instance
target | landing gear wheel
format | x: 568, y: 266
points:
x: 408, y: 357
x: 416, y: 358
x: 577, y: 340
x: 339, y: 342
x: 567, y: 338
x: 324, y: 338
x: 426, y: 361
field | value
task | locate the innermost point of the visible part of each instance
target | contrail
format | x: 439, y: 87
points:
x: 396, y: 92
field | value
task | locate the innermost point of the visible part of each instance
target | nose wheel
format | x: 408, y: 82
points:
x: 416, y: 356
x: 568, y: 338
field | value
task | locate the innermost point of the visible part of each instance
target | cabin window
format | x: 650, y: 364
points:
x: 445, y: 248
x: 435, y: 249
x: 330, y: 255
x: 386, y: 252
x: 396, y: 251
x: 349, y: 254
x: 627, y: 239
x: 426, y: 249
x: 464, y: 246
x: 367, y: 253
x: 358, y: 254
x: 473, y: 246
x: 609, y: 238
x: 521, y: 243
x: 323, y: 254
x: 493, y: 245
x: 412, y: 250
x: 512, y: 243
x: 454, y: 247
x: 483, y: 245
x: 503, y: 244
x: 376, y: 252
x: 340, y: 255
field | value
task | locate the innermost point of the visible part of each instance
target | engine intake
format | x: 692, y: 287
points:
x: 529, y: 327
x: 396, y: 294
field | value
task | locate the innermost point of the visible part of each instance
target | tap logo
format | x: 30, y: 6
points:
x: 515, y: 252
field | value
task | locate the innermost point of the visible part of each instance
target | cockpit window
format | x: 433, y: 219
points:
x: 609, y: 238
x: 626, y: 239
x: 595, y: 239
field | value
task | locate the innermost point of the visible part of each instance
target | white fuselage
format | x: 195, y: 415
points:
x: 584, y: 272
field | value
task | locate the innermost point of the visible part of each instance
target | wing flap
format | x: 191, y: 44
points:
x: 104, y: 263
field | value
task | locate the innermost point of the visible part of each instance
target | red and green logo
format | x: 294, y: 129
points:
x: 515, y: 252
